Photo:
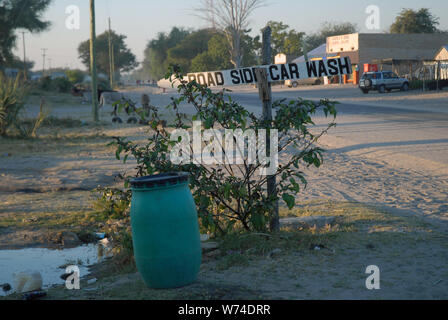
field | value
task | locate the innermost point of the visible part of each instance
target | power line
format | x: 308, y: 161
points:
x: 44, y: 54
x: 24, y: 54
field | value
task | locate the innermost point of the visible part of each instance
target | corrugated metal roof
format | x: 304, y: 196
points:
x: 319, y: 52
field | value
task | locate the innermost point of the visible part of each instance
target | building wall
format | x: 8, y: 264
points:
x: 343, y: 43
x: 364, y: 47
x: 399, y: 46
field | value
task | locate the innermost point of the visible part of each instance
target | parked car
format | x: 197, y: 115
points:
x: 309, y: 82
x: 382, y: 81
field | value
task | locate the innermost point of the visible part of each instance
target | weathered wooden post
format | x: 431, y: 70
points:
x: 93, y: 62
x: 265, y: 91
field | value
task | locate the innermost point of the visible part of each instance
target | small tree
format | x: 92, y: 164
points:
x: 125, y: 60
x: 75, y: 76
x: 285, y: 40
x: 410, y: 21
x: 230, y: 196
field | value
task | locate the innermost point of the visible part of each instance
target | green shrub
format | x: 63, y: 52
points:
x: 231, y: 196
x: 112, y: 203
x: 45, y: 83
x: 62, y: 85
x: 13, y: 95
x: 75, y: 76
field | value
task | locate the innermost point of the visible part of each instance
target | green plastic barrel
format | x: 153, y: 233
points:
x: 165, y: 230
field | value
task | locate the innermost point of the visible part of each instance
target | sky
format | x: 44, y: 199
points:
x: 141, y: 20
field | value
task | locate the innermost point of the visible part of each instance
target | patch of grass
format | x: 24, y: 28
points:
x: 232, y: 260
x: 357, y: 225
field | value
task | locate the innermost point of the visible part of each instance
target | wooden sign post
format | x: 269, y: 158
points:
x: 265, y: 91
x: 93, y: 69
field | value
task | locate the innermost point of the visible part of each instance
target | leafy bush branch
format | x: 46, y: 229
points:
x: 230, y: 196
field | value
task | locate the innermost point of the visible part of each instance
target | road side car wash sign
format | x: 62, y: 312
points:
x: 276, y: 72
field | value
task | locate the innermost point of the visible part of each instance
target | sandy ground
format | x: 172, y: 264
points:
x: 407, y: 185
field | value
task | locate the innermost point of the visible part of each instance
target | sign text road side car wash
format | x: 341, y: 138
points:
x: 276, y: 72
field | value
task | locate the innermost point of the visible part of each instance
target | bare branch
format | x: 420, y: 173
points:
x: 232, y: 18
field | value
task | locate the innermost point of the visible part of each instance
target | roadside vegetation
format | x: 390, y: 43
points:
x: 245, y: 262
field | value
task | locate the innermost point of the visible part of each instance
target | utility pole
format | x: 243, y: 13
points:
x: 44, y: 54
x: 113, y: 62
x: 93, y: 62
x: 24, y: 55
x: 111, y: 58
x: 265, y: 91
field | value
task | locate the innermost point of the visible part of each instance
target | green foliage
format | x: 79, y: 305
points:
x: 410, y: 21
x: 45, y: 83
x: 185, y: 51
x: 194, y: 51
x: 156, y: 51
x: 230, y: 197
x: 13, y: 94
x: 112, y: 203
x: 19, y: 14
x: 62, y: 84
x: 232, y: 259
x: 251, y: 48
x: 285, y: 40
x: 113, y: 208
x: 125, y: 60
x: 215, y: 58
x: 75, y: 76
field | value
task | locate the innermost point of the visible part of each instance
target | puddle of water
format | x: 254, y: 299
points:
x: 48, y: 262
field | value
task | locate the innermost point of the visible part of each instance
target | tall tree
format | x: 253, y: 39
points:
x: 156, y: 52
x: 185, y: 51
x: 125, y: 60
x: 410, y: 21
x: 328, y: 30
x: 285, y: 40
x: 19, y: 14
x: 217, y: 56
x: 232, y: 18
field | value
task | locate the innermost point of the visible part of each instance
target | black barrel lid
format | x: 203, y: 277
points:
x: 160, y: 180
